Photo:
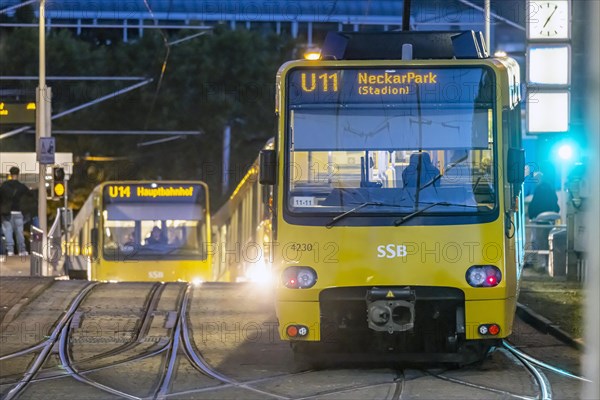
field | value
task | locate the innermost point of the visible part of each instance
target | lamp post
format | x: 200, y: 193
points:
x: 487, y: 20
x: 42, y: 129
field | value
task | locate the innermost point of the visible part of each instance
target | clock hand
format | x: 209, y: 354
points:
x: 550, y: 16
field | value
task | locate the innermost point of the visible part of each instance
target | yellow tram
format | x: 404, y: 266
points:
x: 242, y: 231
x: 397, y: 220
x: 143, y: 231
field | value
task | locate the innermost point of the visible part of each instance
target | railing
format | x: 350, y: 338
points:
x: 36, y: 258
x: 551, y: 257
x: 2, y: 247
x: 52, y: 249
x: 55, y: 235
x: 539, y: 244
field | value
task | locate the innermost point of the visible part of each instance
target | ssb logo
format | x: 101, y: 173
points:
x: 391, y: 250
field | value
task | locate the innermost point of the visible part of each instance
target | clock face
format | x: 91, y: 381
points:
x: 549, y: 19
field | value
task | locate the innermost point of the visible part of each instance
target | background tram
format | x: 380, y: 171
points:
x: 397, y: 212
x: 242, y: 231
x: 143, y: 231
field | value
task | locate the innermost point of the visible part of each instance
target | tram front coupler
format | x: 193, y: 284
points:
x: 391, y: 309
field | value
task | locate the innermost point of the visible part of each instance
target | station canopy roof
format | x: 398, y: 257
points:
x: 340, y: 11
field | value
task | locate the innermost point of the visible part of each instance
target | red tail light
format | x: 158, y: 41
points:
x: 483, y: 276
x: 489, y: 329
x: 296, y: 331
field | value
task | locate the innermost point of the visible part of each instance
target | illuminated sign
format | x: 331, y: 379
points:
x: 183, y: 192
x: 20, y: 113
x: 324, y: 82
x: 393, y: 85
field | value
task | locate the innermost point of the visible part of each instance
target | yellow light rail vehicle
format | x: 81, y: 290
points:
x: 242, y: 231
x: 397, y: 170
x: 143, y: 231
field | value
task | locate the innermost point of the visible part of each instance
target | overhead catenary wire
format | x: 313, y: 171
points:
x: 163, y: 68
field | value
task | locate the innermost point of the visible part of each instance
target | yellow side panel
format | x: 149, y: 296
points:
x: 152, y: 271
x: 479, y: 312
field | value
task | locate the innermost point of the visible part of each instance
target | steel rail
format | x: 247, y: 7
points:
x: 539, y: 377
x: 480, y: 387
x: 84, y: 372
x: 41, y: 358
x: 25, y: 351
x: 165, y: 382
x: 326, y: 393
x: 542, y: 364
x: 65, y: 360
x: 200, y: 363
x: 150, y: 306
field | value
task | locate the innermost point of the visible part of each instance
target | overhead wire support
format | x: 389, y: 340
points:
x: 493, y: 14
x: 406, y: 16
x: 80, y: 107
x: 190, y: 37
x: 73, y: 78
x: 7, y: 9
x: 163, y: 68
x: 158, y: 141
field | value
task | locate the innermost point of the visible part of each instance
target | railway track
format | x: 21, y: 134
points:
x: 44, y: 348
x: 180, y: 364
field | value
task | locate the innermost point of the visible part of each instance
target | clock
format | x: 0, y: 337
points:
x: 548, y: 19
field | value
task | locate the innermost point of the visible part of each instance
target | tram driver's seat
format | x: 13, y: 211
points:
x: 428, y: 171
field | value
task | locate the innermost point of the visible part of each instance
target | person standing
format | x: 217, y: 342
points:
x: 544, y: 199
x: 11, y: 193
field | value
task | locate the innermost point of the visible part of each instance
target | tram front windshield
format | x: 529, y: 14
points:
x: 391, y: 140
x: 160, y: 229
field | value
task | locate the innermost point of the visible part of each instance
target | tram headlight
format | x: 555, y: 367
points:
x: 299, y: 277
x: 483, y: 276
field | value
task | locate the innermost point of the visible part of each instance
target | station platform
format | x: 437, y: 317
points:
x: 14, y: 266
x: 17, y: 287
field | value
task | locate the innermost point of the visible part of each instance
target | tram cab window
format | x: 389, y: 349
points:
x: 144, y: 238
x: 376, y: 152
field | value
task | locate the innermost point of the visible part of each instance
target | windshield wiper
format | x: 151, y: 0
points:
x: 358, y: 207
x: 402, y: 220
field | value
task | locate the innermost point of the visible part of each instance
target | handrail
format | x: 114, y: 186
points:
x: 55, y: 235
x: 36, y: 251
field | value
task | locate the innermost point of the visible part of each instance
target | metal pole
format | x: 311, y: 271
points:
x: 406, y: 16
x: 67, y: 227
x: 226, y: 150
x: 571, y: 254
x: 42, y: 130
x: 487, y: 16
